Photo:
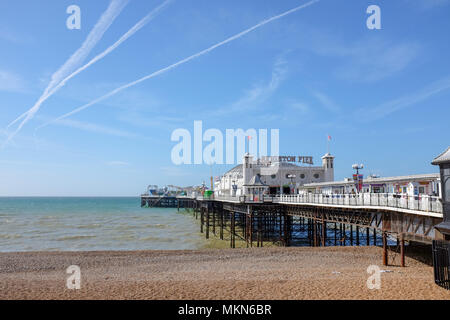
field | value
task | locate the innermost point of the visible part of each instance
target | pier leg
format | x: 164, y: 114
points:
x: 315, y: 233
x: 251, y: 229
x: 374, y: 237
x: 357, y: 236
x: 344, y: 235
x: 385, y: 250
x: 207, y: 223
x: 402, y: 249
x: 262, y: 230
x: 201, y: 220
x: 367, y: 236
x: 335, y: 234
x: 324, y: 232
x: 214, y: 221
x: 280, y: 228
x: 221, y: 224
x: 351, y: 235
x: 234, y: 230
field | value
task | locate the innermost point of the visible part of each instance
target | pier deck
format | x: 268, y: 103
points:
x: 362, y: 219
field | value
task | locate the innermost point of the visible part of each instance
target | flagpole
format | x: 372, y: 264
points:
x: 328, y: 144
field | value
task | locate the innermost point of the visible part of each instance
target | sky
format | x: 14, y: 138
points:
x: 382, y: 95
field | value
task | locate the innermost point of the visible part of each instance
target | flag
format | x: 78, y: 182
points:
x: 329, y: 138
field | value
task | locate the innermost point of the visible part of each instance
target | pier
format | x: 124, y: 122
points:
x: 327, y: 220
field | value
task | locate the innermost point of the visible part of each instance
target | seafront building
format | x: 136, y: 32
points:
x: 273, y: 175
x: 426, y: 184
x: 282, y: 175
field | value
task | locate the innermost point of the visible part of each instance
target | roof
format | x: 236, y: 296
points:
x: 236, y: 169
x: 255, y: 181
x: 429, y: 176
x: 443, y: 157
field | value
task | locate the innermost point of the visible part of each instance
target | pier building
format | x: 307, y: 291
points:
x: 273, y: 175
x: 411, y: 185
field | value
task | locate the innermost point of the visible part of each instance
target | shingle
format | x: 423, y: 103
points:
x: 443, y: 157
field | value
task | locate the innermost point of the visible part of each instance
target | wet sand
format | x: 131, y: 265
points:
x: 257, y: 273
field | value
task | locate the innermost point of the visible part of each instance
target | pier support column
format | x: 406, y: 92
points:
x: 351, y: 235
x: 335, y: 234
x: 221, y: 224
x: 315, y: 233
x: 324, y: 233
x: 232, y: 231
x: 207, y: 223
x: 201, y: 219
x: 374, y: 237
x: 214, y: 221
x: 367, y: 236
x: 402, y: 250
x: 357, y: 236
x: 385, y: 250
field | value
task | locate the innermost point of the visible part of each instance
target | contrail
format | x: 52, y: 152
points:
x: 154, y: 74
x: 103, y: 24
x: 128, y: 34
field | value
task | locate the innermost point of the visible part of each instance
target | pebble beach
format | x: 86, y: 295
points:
x: 253, y: 273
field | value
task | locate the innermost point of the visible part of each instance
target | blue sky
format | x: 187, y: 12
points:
x: 383, y: 95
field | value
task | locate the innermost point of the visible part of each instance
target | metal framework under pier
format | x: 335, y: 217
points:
x: 259, y: 224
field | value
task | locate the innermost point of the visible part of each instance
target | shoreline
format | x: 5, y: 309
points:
x: 251, y: 273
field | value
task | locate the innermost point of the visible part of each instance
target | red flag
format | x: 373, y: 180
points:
x: 329, y: 137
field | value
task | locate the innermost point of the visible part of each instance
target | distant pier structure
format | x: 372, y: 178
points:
x: 395, y: 213
x: 167, y: 197
x: 159, y: 201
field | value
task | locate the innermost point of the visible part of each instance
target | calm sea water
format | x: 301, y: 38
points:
x: 34, y: 224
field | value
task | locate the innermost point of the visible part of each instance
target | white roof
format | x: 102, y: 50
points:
x: 443, y: 157
x: 415, y: 177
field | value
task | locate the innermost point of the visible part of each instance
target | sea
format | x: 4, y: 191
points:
x: 91, y: 224
x: 106, y: 223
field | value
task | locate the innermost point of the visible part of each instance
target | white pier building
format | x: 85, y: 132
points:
x: 273, y: 175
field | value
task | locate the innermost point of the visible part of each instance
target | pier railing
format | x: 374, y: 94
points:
x: 423, y: 203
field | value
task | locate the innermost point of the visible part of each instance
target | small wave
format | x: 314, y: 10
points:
x: 157, y: 239
x: 67, y: 238
x: 89, y: 226
x: 10, y: 236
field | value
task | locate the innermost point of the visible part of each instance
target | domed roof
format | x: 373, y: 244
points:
x: 236, y: 169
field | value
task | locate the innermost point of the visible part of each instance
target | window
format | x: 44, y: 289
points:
x: 273, y: 176
x: 446, y: 194
x: 316, y: 176
x: 421, y: 189
x: 302, y: 176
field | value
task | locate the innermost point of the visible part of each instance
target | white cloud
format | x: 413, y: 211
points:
x: 96, y: 34
x: 96, y: 128
x: 117, y: 163
x: 259, y: 93
x: 394, y: 105
x: 326, y: 101
x: 299, y: 106
x: 11, y: 82
x: 367, y: 60
x: 376, y: 61
x: 427, y: 4
x: 175, y: 171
